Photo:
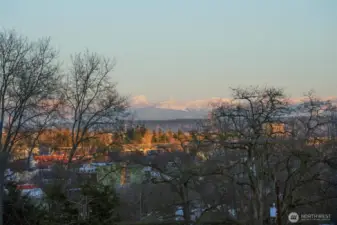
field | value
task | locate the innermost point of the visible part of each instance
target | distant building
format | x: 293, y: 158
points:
x: 30, y: 190
x: 45, y: 150
x: 277, y: 129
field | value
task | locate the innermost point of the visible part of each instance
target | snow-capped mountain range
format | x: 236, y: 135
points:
x: 142, y: 109
x: 142, y: 102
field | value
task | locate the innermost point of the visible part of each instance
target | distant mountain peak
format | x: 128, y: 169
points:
x: 141, y: 101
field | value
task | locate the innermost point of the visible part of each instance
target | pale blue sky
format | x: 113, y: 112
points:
x: 193, y: 49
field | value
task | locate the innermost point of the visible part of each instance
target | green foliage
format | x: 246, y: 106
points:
x: 20, y: 210
x: 154, y: 137
x: 180, y: 133
x: 163, y: 138
x: 142, y: 130
x: 137, y: 137
x: 93, y: 204
x: 160, y: 132
x: 61, y: 210
x: 129, y: 135
x: 102, y: 203
x: 134, y: 135
x: 159, y: 137
x: 109, y: 175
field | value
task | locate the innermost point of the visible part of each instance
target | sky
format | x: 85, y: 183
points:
x: 192, y: 49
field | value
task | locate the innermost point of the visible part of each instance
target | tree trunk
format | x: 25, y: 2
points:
x: 255, y: 210
x: 258, y: 204
x: 186, y: 204
x: 278, y: 204
x: 187, y: 214
x: 3, y: 166
x: 261, y: 203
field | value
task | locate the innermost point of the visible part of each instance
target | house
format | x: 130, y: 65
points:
x: 87, y: 168
x: 10, y: 176
x: 119, y: 174
x: 18, y: 166
x: 275, y: 129
x: 31, y: 191
x: 22, y: 170
x: 45, y: 150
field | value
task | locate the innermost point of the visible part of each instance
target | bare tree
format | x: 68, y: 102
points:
x: 92, y: 102
x: 28, y: 83
x: 273, y: 151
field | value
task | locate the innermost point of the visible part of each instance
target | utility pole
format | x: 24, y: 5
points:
x: 278, y: 204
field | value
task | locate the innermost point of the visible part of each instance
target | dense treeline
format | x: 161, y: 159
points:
x: 58, y: 209
x: 60, y: 138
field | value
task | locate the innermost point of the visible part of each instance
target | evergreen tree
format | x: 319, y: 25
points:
x: 20, y: 210
x: 117, y: 139
x: 154, y: 137
x: 180, y: 133
x: 163, y: 138
x: 137, y: 137
x: 160, y: 132
x: 142, y: 130
x: 130, y: 134
x: 61, y: 210
x: 103, y: 202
